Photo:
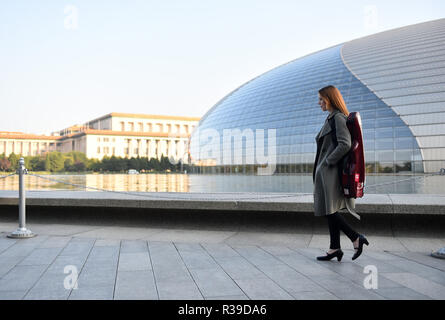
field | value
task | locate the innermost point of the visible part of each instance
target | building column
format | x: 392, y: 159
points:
x: 163, y: 148
x: 168, y: 144
x: 148, y: 151
x: 138, y: 145
x: 129, y: 146
x: 159, y: 149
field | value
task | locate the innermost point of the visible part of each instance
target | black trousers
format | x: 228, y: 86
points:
x: 336, y: 223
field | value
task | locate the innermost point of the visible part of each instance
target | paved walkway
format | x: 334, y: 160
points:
x: 149, y: 263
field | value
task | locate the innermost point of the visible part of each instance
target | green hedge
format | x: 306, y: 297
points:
x: 78, y: 162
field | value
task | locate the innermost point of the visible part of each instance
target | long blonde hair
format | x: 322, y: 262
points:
x: 332, y: 96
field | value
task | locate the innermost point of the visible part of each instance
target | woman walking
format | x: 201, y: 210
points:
x: 328, y: 192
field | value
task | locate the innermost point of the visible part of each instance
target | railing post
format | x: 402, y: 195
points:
x: 22, y: 231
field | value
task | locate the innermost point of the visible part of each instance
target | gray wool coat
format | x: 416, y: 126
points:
x: 328, y: 193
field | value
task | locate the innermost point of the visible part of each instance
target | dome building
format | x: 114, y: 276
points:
x: 395, y: 79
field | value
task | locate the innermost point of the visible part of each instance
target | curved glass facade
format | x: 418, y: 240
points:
x: 286, y: 99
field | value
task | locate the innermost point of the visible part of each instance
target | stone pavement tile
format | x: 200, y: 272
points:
x: 166, y: 272
x: 135, y: 285
x: 122, y: 233
x: 162, y: 247
x: 238, y: 297
x: 421, y: 270
x: 268, y: 239
x: 172, y: 277
x: 301, y: 240
x: 263, y: 288
x: 100, y: 267
x: 197, y: 259
x: 6, y: 264
x: 380, y: 243
x: 51, y: 281
x: 7, y: 227
x: 278, y: 250
x: 313, y: 253
x: 4, y: 231
x: 310, y: 253
x: 49, y: 287
x: 376, y: 243
x: 5, y: 243
x: 102, y: 260
x: 355, y: 292
x: 12, y: 295
x: 97, y: 278
x: 104, y: 253
x: 169, y: 268
x: 22, y: 248
x: 78, y: 247
x: 17, y: 250
x: 355, y: 273
x: 289, y: 279
x: 423, y: 258
x: 382, y: 265
x: 42, y: 256
x: 305, y: 266
x: 50, y: 229
x: 401, y: 293
x: 418, y: 284
x: 178, y: 290
x: 35, y: 241
x: 314, y: 295
x: 134, y: 261
x: 21, y: 278
x: 422, y: 244
x: 167, y: 263
x: 187, y: 246
x: 333, y: 282
x: 92, y: 293
x: 55, y: 242
x: 83, y: 240
x: 239, y: 268
x: 257, y: 256
x: 194, y: 236
x: 55, y: 294
x: 342, y: 276
x: 107, y: 242
x: 214, y: 282
x: 380, y: 255
x: 133, y: 246
x: 220, y: 250
x: 61, y: 262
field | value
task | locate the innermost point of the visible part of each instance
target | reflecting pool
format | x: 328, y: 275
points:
x: 301, y: 183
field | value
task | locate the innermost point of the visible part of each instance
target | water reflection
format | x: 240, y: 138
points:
x: 114, y: 182
x: 421, y: 184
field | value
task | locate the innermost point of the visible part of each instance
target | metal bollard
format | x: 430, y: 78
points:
x: 22, y: 232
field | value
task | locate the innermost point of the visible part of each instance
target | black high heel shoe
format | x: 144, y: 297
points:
x: 361, y: 240
x: 329, y: 256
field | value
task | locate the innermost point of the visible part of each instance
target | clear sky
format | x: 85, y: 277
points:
x: 67, y: 62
